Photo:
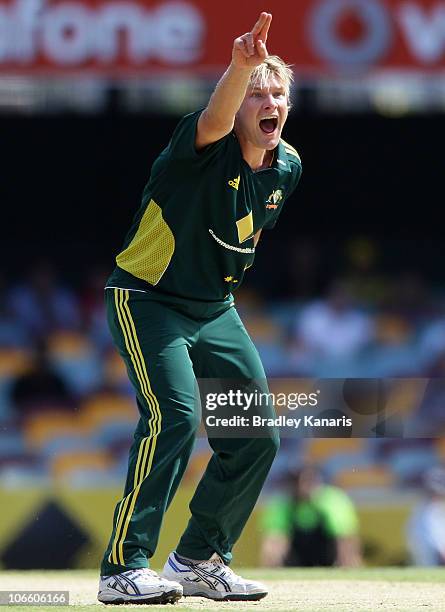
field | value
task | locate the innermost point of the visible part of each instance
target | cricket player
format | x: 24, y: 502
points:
x: 223, y: 177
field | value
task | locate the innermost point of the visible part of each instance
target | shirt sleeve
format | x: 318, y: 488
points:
x: 295, y: 178
x: 182, y: 144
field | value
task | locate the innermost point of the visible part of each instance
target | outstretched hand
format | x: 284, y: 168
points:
x: 249, y: 50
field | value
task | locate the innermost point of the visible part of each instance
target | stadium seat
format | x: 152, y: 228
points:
x: 340, y: 462
x: 321, y: 449
x: 13, y: 361
x: 103, y: 408
x: 76, y: 360
x: 65, y: 463
x: 365, y: 478
x: 263, y: 329
x: 42, y: 428
x: 69, y: 344
x: 392, y: 330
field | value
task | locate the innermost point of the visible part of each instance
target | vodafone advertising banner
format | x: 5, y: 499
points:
x: 122, y: 38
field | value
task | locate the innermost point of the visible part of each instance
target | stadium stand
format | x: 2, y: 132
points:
x: 94, y: 429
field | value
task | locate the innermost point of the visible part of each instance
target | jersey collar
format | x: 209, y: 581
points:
x: 280, y: 158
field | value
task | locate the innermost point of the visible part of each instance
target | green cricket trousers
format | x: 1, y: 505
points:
x: 166, y: 344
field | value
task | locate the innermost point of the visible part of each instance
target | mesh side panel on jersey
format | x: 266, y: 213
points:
x: 149, y: 253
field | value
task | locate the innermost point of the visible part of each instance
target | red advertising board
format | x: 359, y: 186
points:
x: 139, y: 37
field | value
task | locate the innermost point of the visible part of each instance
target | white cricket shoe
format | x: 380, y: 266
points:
x: 212, y: 579
x: 138, y: 586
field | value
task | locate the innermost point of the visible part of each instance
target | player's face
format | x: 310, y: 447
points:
x: 262, y: 115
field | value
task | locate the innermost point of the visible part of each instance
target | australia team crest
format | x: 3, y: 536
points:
x: 274, y: 199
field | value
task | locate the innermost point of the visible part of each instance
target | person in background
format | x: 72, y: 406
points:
x: 426, y: 525
x: 40, y: 386
x: 314, y: 524
x: 333, y: 328
x: 42, y: 304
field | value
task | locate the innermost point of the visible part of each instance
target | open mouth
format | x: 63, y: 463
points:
x: 269, y: 124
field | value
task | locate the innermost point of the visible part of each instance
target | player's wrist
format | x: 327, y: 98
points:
x: 241, y: 67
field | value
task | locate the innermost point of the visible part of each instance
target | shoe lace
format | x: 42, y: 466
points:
x: 143, y: 573
x: 218, y: 562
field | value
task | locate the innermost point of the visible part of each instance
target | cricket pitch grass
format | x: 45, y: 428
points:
x: 311, y: 590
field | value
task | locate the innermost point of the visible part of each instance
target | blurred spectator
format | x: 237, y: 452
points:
x: 429, y: 417
x: 40, y: 386
x: 432, y: 340
x: 41, y: 305
x: 313, y: 525
x: 426, y: 526
x: 334, y: 328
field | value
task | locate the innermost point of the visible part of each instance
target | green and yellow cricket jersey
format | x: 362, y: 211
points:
x: 192, y: 237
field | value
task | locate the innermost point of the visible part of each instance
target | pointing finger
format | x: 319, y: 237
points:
x: 265, y: 27
x: 259, y: 24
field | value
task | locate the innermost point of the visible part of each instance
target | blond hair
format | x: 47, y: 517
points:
x: 272, y: 66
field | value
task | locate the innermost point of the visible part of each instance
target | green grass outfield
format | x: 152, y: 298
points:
x: 305, y: 590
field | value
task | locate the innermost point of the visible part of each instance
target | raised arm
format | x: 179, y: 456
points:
x: 249, y: 51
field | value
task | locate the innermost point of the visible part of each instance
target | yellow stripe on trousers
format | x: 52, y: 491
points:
x: 148, y: 445
x: 119, y: 296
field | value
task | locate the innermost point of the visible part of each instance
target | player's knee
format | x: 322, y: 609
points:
x: 195, y: 422
x: 188, y: 423
x: 269, y: 446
